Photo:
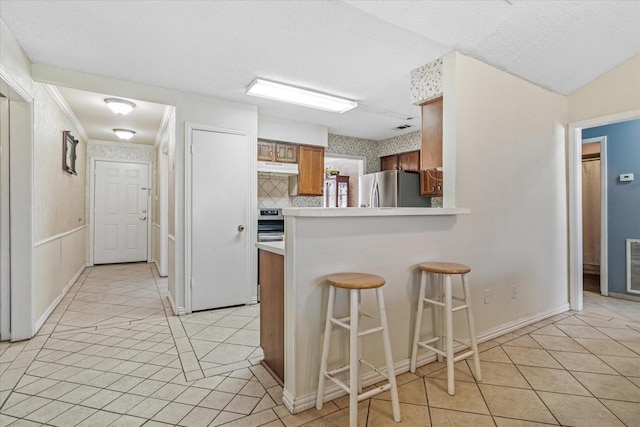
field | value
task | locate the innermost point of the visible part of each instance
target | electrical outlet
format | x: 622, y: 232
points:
x: 514, y: 291
x: 486, y: 296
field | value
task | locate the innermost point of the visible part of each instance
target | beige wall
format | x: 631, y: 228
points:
x: 617, y: 91
x: 509, y: 165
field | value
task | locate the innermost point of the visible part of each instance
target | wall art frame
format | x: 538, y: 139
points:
x: 69, y: 152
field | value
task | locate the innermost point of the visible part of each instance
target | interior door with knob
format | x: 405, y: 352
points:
x: 220, y: 229
x: 120, y: 212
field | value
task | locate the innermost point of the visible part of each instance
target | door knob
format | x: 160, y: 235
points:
x: 143, y: 219
x: 241, y: 228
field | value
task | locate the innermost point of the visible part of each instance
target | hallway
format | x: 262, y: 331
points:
x: 112, y: 354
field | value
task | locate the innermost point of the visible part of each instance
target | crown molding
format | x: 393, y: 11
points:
x: 166, y: 116
x: 57, y: 97
x: 145, y: 147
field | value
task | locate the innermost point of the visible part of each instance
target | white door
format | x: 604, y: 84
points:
x: 220, y: 237
x: 121, y: 214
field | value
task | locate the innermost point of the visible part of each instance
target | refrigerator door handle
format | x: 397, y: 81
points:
x: 375, y: 195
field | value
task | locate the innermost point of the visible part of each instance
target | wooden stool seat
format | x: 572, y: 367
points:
x: 444, y: 267
x: 355, y: 280
x: 353, y: 284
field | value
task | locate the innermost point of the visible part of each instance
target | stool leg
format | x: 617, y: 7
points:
x: 472, y: 330
x: 449, y: 331
x: 325, y: 347
x: 416, y: 329
x: 436, y: 290
x: 353, y: 358
x: 395, y: 403
x: 359, y: 347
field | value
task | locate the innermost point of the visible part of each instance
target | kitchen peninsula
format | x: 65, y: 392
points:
x: 389, y: 242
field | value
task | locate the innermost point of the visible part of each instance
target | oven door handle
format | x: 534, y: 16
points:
x: 270, y: 238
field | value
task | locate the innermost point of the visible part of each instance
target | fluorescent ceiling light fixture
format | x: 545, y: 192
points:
x: 120, y: 106
x: 295, y: 95
x: 124, y: 133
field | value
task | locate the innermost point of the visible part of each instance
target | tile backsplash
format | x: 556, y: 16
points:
x: 273, y: 191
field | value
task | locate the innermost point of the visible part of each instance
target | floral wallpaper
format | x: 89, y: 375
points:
x: 426, y: 82
x: 399, y: 144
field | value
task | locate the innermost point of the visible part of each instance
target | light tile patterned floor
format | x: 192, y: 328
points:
x: 110, y: 355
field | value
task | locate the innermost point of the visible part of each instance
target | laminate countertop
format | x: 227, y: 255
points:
x: 274, y: 247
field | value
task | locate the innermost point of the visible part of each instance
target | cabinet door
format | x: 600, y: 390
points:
x: 431, y: 183
x: 389, y: 163
x: 286, y: 153
x: 271, y: 279
x: 265, y: 151
x: 409, y: 161
x: 431, y: 134
x: 310, y: 171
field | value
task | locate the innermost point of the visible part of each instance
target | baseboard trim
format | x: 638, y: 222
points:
x: 177, y: 311
x: 624, y: 296
x: 333, y: 391
x: 56, y: 301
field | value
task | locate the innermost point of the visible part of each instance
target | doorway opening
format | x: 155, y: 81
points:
x: 576, y: 268
x: 594, y: 215
x: 349, y: 168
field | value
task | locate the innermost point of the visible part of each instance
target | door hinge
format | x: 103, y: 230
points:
x: 191, y: 283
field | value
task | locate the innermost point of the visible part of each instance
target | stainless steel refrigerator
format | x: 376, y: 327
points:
x: 394, y: 188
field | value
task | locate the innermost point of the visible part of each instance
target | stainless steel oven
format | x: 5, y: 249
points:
x: 270, y: 225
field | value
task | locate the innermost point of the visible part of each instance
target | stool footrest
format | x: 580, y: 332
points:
x: 462, y: 307
x: 435, y: 350
x: 337, y: 371
x: 340, y: 322
x: 375, y: 368
x: 463, y: 356
x: 432, y: 301
x: 425, y: 345
x: 361, y: 396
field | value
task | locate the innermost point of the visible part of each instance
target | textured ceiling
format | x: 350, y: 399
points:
x: 363, y: 50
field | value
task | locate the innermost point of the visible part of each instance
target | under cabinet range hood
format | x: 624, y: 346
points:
x: 278, y: 168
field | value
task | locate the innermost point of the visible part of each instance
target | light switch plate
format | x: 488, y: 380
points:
x: 626, y: 177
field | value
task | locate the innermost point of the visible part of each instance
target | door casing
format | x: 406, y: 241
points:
x: 574, y: 148
x: 189, y: 128
x: 92, y: 182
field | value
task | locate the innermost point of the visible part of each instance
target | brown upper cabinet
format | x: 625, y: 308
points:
x: 389, y: 163
x: 269, y: 151
x: 431, y: 132
x: 409, y: 161
x: 431, y: 183
x: 310, y: 171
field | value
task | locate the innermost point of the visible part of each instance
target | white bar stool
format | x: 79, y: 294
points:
x: 444, y: 270
x: 354, y: 283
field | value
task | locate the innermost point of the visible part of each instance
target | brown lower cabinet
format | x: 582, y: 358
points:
x: 271, y: 279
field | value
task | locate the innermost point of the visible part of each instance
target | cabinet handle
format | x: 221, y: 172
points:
x: 241, y: 228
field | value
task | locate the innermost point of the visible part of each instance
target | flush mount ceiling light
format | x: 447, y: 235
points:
x: 295, y: 95
x: 120, y: 106
x: 124, y: 133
